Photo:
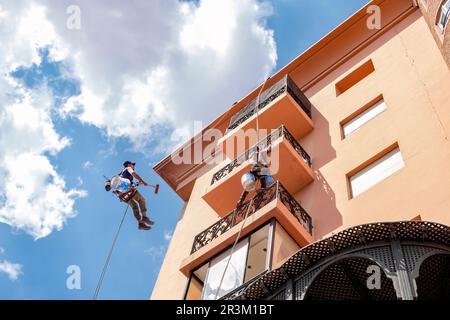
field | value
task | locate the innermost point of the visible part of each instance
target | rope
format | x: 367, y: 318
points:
x: 257, y: 109
x: 105, y: 267
x: 251, y: 202
x: 232, y: 249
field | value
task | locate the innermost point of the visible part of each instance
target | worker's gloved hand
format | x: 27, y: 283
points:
x: 145, y: 183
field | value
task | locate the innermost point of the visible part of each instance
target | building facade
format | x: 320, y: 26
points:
x: 357, y: 130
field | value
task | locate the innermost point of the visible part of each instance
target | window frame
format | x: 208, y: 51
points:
x: 355, y: 76
x: 374, y: 102
x: 370, y: 162
x: 441, y: 16
x: 271, y: 223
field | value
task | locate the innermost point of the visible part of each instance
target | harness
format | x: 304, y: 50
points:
x: 126, y: 196
x: 258, y: 167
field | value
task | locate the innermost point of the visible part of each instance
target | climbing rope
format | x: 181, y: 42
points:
x: 105, y: 266
x: 251, y: 202
x: 234, y: 247
x: 257, y: 108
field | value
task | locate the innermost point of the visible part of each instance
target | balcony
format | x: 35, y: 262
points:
x: 274, y: 202
x: 281, y: 104
x: 290, y: 163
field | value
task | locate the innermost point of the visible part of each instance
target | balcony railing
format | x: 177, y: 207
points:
x: 263, y: 144
x: 269, y: 95
x: 260, y: 200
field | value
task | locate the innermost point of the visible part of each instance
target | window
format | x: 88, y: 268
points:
x: 444, y: 14
x: 376, y: 172
x: 362, y: 117
x: 249, y: 259
x: 354, y: 77
x: 218, y: 283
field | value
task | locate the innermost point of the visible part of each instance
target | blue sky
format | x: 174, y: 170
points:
x: 98, y: 147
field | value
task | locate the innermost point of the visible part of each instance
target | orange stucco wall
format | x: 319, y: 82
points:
x: 412, y: 75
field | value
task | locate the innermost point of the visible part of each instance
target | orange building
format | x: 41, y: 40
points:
x: 357, y: 132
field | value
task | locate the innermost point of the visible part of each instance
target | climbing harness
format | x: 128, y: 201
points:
x: 126, y: 196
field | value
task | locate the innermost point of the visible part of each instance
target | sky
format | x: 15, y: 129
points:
x: 85, y: 86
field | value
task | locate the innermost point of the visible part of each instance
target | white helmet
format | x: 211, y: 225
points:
x: 248, y: 181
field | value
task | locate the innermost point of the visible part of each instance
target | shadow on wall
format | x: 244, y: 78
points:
x: 318, y: 197
x: 327, y: 215
x: 325, y: 202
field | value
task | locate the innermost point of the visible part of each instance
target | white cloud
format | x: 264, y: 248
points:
x: 87, y: 165
x: 33, y: 195
x: 24, y: 27
x: 80, y: 181
x: 156, y: 252
x: 144, y: 70
x: 157, y: 65
x: 168, y: 235
x: 13, y: 270
x: 2, y: 250
x: 36, y: 198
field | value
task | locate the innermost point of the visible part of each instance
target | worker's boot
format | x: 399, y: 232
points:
x: 143, y: 226
x: 147, y: 220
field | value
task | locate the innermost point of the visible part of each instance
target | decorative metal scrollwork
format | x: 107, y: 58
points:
x: 261, y: 199
x: 284, y: 85
x: 263, y: 144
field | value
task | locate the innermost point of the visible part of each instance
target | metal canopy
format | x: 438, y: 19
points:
x: 406, y: 251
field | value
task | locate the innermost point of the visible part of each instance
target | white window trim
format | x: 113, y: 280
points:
x: 376, y: 172
x: 444, y: 15
x: 357, y: 122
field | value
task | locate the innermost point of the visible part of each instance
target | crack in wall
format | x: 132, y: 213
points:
x: 428, y: 95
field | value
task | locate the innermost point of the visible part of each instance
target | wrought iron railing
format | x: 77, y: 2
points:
x: 284, y: 85
x: 261, y: 199
x: 265, y: 143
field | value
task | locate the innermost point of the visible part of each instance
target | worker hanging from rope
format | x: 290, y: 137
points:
x: 259, y: 172
x: 126, y: 191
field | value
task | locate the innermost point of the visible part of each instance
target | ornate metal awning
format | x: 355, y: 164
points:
x: 413, y: 255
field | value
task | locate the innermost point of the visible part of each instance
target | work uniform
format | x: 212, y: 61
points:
x: 260, y: 170
x: 137, y: 201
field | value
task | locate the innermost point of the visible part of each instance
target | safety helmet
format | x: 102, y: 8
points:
x: 248, y: 182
